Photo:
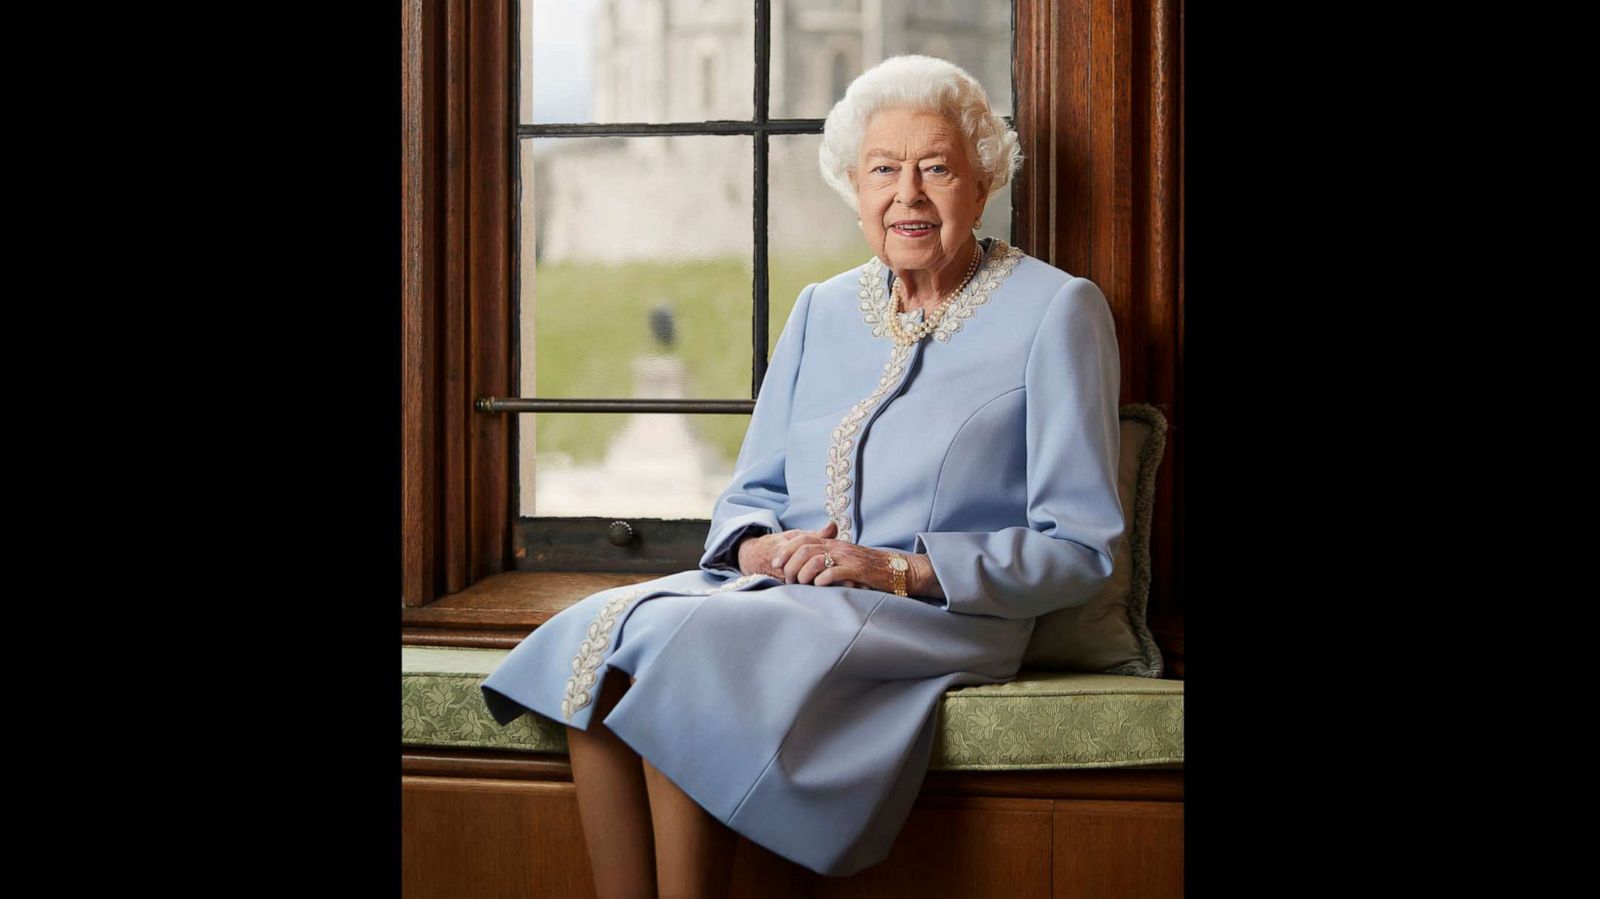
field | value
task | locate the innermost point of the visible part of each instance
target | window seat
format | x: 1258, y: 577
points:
x: 1041, y: 720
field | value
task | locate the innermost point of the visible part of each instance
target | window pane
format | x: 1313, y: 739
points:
x: 637, y: 270
x: 649, y: 465
x: 637, y: 60
x: 997, y: 215
x: 819, y: 47
x: 812, y: 234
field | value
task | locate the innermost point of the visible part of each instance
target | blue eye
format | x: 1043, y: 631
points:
x: 936, y: 166
x: 876, y: 168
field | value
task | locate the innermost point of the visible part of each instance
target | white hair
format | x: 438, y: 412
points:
x: 926, y: 84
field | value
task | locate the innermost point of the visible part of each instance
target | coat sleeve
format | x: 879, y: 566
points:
x: 1073, y: 437
x: 758, y: 492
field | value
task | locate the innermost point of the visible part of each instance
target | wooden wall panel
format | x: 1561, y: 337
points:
x: 951, y: 846
x: 523, y: 839
x: 1118, y: 850
x: 419, y: 491
x: 456, y: 304
x: 491, y: 839
x: 492, y: 139
x: 1099, y: 106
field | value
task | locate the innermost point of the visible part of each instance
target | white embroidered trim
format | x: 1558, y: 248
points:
x: 734, y: 584
x: 877, y: 299
x: 592, y: 651
x: 876, y: 303
x: 839, y: 455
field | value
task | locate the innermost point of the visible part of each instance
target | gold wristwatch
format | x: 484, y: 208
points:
x: 899, y: 566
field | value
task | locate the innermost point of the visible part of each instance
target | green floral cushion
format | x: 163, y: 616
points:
x: 1043, y: 719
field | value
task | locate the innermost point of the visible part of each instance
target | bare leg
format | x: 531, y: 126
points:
x: 612, y: 803
x: 694, y: 851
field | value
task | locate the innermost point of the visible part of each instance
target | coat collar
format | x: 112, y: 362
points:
x: 999, y: 259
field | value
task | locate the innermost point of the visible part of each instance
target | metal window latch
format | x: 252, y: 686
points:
x: 620, y: 533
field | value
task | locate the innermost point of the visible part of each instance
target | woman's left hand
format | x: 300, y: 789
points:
x: 802, y: 561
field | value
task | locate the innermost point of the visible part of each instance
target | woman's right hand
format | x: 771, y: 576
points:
x: 755, y: 554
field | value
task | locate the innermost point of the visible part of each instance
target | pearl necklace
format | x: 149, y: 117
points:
x: 901, y: 335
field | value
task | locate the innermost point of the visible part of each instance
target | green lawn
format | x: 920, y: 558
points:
x: 593, y: 319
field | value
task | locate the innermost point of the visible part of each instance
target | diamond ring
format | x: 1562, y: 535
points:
x: 827, y: 560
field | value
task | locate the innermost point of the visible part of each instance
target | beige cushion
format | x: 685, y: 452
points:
x: 1109, y: 634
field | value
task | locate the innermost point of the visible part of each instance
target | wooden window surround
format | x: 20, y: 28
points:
x: 1099, y: 109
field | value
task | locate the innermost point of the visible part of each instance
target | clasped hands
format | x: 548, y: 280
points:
x: 796, y: 556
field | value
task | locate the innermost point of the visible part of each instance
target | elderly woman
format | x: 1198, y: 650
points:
x: 931, y: 465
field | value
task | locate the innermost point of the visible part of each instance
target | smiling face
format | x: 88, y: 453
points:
x: 915, y: 168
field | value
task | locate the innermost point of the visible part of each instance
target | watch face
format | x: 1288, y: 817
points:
x: 898, y: 563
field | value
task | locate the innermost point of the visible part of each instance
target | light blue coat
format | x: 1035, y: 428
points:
x: 803, y: 716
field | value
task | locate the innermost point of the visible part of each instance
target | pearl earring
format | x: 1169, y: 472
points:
x: 858, y: 223
x: 977, y: 224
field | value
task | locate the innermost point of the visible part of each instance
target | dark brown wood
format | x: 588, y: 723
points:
x: 480, y: 763
x: 1169, y: 613
x: 1156, y: 29
x: 456, y: 210
x: 1165, y: 785
x: 503, y: 608
x: 419, y: 491
x: 474, y: 839
x: 452, y: 301
x: 1100, y: 783
x: 1099, y: 111
x: 491, y: 141
x: 481, y: 833
x: 476, y: 638
x: 657, y: 546
x: 1118, y: 850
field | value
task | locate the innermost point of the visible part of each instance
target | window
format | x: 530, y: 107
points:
x: 661, y: 249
